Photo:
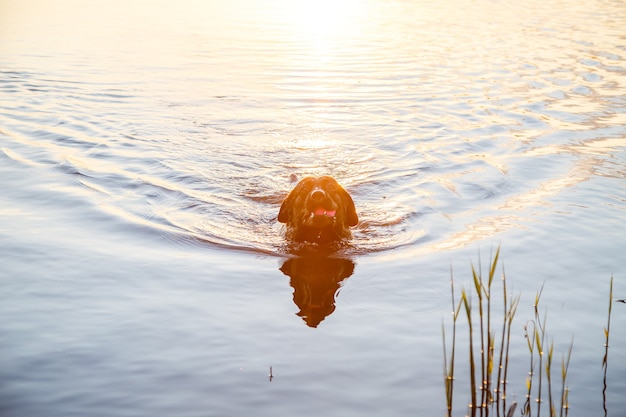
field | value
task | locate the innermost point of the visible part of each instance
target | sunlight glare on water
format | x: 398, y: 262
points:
x: 323, y: 22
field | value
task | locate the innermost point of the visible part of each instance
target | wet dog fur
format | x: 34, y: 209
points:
x: 318, y: 210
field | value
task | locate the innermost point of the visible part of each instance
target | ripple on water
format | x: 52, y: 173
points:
x: 427, y: 130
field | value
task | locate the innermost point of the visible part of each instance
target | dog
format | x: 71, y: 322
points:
x: 318, y: 210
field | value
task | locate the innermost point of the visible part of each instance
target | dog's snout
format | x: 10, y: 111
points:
x: 318, y: 195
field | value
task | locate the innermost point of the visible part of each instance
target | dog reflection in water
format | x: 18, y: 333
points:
x: 315, y: 281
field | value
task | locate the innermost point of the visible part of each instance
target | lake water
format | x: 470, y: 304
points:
x: 145, y: 148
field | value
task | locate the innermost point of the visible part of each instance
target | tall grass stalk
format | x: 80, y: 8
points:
x: 449, y: 366
x: 549, y: 378
x: 509, y: 313
x: 478, y: 286
x: 540, y: 340
x: 605, y: 360
x: 530, y: 341
x: 468, y: 311
x: 564, y: 389
x: 488, y: 398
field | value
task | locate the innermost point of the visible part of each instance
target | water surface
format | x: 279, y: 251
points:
x: 145, y: 149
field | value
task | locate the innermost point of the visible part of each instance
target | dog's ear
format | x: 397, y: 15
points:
x: 284, y: 214
x: 351, y: 217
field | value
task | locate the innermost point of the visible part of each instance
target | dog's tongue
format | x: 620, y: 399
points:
x: 321, y: 211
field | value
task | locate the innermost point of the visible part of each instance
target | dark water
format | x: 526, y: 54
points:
x: 145, y: 149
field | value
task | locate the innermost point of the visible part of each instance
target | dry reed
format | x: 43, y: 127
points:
x: 488, y: 397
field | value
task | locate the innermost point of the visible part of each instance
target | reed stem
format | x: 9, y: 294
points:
x: 449, y: 366
x: 468, y: 311
x: 564, y: 389
x: 605, y: 360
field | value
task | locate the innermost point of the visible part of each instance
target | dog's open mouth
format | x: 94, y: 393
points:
x: 321, y: 217
x: 321, y: 211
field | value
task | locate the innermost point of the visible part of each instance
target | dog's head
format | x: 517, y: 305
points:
x: 318, y: 210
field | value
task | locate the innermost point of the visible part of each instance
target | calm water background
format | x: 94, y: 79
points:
x: 145, y: 148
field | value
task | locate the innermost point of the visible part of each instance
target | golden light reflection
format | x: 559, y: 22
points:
x: 584, y: 169
x: 324, y: 17
x: 313, y: 143
x: 322, y: 23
